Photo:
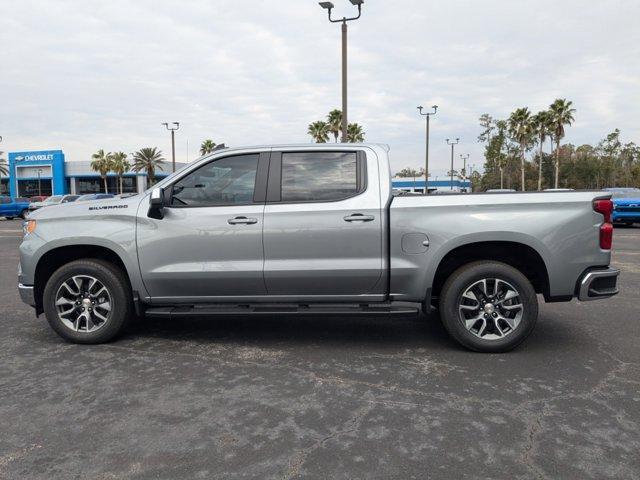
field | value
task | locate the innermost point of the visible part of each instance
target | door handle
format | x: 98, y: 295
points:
x: 242, y: 221
x: 358, y: 217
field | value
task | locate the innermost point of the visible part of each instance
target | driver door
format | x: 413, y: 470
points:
x: 208, y: 246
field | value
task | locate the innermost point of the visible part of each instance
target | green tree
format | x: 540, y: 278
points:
x: 409, y: 172
x: 102, y: 164
x: 520, y: 129
x: 207, y: 147
x: 148, y: 160
x: 542, y: 127
x: 355, y: 133
x: 120, y: 166
x: 319, y: 131
x: 488, y: 126
x: 561, y: 114
x: 334, y: 120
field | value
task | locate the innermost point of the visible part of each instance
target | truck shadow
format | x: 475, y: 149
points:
x: 348, y: 332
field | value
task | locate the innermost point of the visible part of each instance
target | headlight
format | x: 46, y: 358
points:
x: 28, y: 227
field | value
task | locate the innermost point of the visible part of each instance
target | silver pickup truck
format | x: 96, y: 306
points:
x: 314, y: 230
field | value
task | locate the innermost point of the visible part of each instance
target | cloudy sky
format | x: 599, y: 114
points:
x: 82, y: 75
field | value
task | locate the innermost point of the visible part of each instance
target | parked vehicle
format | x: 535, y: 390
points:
x: 94, y: 196
x: 626, y: 205
x: 314, y: 229
x: 500, y: 190
x: 13, y: 207
x: 53, y: 200
x: 37, y: 199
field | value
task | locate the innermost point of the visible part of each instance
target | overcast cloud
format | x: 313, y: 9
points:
x: 83, y: 75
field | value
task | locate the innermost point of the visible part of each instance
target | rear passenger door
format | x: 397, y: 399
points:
x: 323, y: 225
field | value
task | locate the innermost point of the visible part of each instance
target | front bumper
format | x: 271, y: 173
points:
x: 597, y: 284
x: 26, y: 294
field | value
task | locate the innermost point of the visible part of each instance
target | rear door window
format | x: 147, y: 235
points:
x: 320, y: 176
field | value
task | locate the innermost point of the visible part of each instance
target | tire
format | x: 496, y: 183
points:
x: 9, y: 218
x: 24, y: 213
x: 488, y: 322
x: 109, y: 313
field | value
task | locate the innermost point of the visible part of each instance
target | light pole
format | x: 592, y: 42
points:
x: 426, y: 156
x: 464, y: 166
x: 39, y: 185
x: 452, y: 144
x: 173, y: 142
x: 329, y: 6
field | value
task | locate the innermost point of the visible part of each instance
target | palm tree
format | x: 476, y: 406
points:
x: 355, y: 134
x: 334, y: 119
x: 120, y: 166
x: 102, y: 164
x: 3, y: 169
x: 542, y: 127
x: 207, y: 147
x: 520, y: 130
x: 319, y: 131
x: 561, y: 115
x: 148, y: 160
x: 3, y: 166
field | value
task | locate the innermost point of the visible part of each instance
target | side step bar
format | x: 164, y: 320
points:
x: 335, y: 310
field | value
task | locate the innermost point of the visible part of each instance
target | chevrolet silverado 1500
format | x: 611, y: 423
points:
x: 314, y: 229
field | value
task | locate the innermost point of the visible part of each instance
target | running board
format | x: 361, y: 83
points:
x: 333, y: 310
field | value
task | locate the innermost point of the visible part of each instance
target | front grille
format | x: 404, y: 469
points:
x: 628, y: 208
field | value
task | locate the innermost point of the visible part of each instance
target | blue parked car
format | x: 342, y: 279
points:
x: 13, y: 207
x: 626, y: 205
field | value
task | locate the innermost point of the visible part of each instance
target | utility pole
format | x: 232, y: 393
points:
x: 426, y: 159
x: 329, y: 6
x: 173, y: 142
x: 452, y: 145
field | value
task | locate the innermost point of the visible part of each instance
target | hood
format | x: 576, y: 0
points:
x: 626, y: 201
x: 107, y: 206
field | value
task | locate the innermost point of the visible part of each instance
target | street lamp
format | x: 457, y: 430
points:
x: 39, y: 185
x: 426, y: 159
x: 173, y: 142
x: 464, y: 166
x: 452, y: 144
x: 329, y: 6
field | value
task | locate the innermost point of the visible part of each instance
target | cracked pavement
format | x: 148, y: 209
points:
x: 286, y: 398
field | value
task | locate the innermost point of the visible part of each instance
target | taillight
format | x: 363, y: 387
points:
x: 605, y: 207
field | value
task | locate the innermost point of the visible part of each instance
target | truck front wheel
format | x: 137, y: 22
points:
x: 488, y: 306
x: 87, y: 301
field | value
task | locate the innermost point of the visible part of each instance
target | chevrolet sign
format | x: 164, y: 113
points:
x: 35, y: 158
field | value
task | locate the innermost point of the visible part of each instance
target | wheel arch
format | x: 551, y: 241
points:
x: 58, y: 256
x: 519, y: 255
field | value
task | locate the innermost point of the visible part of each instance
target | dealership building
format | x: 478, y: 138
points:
x: 47, y: 172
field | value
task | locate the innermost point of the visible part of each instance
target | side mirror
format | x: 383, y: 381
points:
x: 156, y: 204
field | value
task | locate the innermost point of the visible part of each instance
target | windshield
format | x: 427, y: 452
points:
x: 626, y: 194
x: 54, y: 199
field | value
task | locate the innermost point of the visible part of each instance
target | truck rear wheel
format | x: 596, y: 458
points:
x: 488, y: 306
x: 87, y: 301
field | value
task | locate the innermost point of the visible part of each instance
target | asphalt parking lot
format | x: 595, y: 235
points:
x: 323, y: 398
